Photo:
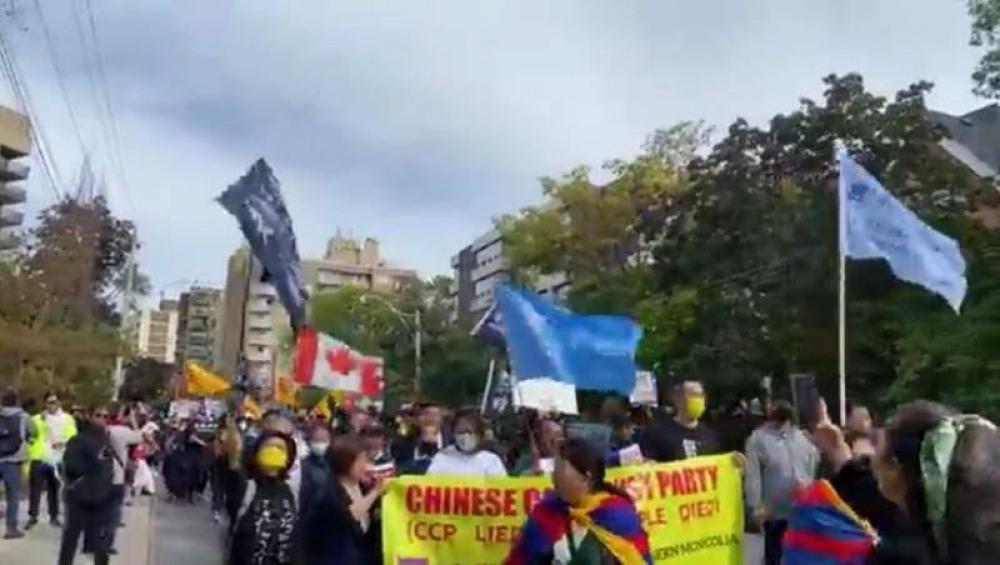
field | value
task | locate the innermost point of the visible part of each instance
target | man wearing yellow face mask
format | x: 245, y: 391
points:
x: 685, y: 435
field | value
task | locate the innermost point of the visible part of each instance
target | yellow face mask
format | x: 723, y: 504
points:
x: 272, y: 458
x: 694, y: 406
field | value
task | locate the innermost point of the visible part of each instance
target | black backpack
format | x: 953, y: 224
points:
x: 11, y: 434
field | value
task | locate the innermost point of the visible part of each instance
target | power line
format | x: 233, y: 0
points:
x: 103, y: 80
x: 88, y: 67
x: 59, y: 75
x: 11, y: 72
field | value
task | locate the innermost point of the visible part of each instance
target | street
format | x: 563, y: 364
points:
x: 155, y: 533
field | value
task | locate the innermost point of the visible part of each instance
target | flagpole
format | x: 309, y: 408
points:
x: 842, y: 295
x: 489, y: 385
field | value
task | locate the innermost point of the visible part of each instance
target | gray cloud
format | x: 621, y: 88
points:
x: 418, y: 122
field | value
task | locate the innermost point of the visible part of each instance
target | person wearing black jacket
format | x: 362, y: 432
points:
x: 932, y: 490
x: 88, y: 464
x: 343, y: 527
x: 265, y: 530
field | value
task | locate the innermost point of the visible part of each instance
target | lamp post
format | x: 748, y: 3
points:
x: 417, y: 332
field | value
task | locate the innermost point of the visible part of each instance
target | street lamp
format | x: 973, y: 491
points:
x: 405, y: 318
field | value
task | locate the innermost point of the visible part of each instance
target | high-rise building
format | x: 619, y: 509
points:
x: 197, y: 325
x: 349, y: 263
x: 15, y: 143
x: 253, y: 328
x: 482, y: 265
x: 157, y: 335
x: 254, y: 331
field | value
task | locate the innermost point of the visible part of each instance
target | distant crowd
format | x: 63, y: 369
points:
x: 297, y: 488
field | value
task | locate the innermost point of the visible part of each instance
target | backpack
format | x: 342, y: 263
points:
x: 11, y: 434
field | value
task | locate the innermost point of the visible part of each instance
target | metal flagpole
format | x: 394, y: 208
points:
x: 489, y: 386
x: 842, y: 290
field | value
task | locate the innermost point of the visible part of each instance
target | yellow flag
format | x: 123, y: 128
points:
x: 284, y: 391
x: 322, y: 408
x: 202, y: 382
x: 251, y: 408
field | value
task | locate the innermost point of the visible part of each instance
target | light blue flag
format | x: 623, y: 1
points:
x: 876, y: 225
x: 547, y: 341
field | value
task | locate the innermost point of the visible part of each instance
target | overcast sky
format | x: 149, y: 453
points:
x: 418, y: 122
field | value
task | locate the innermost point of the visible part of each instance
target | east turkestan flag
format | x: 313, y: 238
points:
x: 874, y: 225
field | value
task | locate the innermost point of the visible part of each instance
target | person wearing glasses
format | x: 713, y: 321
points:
x: 89, y: 463
x: 53, y: 429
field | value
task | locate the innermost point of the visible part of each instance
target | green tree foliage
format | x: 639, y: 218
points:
x: 985, y: 25
x: 732, y: 266
x: 454, y: 367
x: 57, y: 316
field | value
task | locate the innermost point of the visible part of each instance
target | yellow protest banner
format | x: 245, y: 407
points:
x: 692, y: 511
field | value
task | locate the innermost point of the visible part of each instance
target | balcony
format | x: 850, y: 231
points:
x: 11, y: 171
x: 261, y: 289
x: 12, y: 194
x: 260, y: 322
x: 10, y: 218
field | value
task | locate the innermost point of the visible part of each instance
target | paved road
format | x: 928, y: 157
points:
x: 186, y: 535
x: 41, y: 544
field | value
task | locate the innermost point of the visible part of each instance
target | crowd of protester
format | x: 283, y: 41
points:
x: 296, y: 488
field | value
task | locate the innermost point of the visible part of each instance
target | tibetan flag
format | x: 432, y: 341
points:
x: 824, y: 530
x: 285, y: 391
x: 200, y: 381
x: 610, y: 521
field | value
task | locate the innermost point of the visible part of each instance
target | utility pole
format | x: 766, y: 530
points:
x: 417, y: 339
x: 127, y: 302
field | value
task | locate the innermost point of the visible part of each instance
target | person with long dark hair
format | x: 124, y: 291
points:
x: 586, y: 519
x: 939, y: 474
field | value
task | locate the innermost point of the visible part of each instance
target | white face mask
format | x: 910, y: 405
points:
x: 319, y: 447
x: 466, y: 442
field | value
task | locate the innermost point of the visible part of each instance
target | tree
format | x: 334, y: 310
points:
x: 985, y: 24
x: 57, y: 321
x: 453, y: 367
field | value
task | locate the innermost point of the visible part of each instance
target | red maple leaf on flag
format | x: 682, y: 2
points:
x: 340, y: 360
x: 371, y: 377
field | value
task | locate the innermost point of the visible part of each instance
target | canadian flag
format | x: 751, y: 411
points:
x: 326, y: 362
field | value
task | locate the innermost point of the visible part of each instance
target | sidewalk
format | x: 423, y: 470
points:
x: 40, y: 545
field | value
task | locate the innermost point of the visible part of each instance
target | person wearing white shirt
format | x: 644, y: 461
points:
x: 466, y: 457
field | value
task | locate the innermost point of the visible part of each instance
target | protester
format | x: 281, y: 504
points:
x: 685, y: 435
x: 315, y: 469
x: 53, y: 429
x: 586, y: 519
x: 623, y: 449
x: 380, y: 463
x: 342, y: 530
x: 939, y: 471
x: 547, y: 437
x: 467, y: 456
x: 122, y: 437
x: 16, y: 433
x: 780, y: 460
x: 264, y: 531
x: 859, y: 420
x: 415, y: 450
x: 88, y: 463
